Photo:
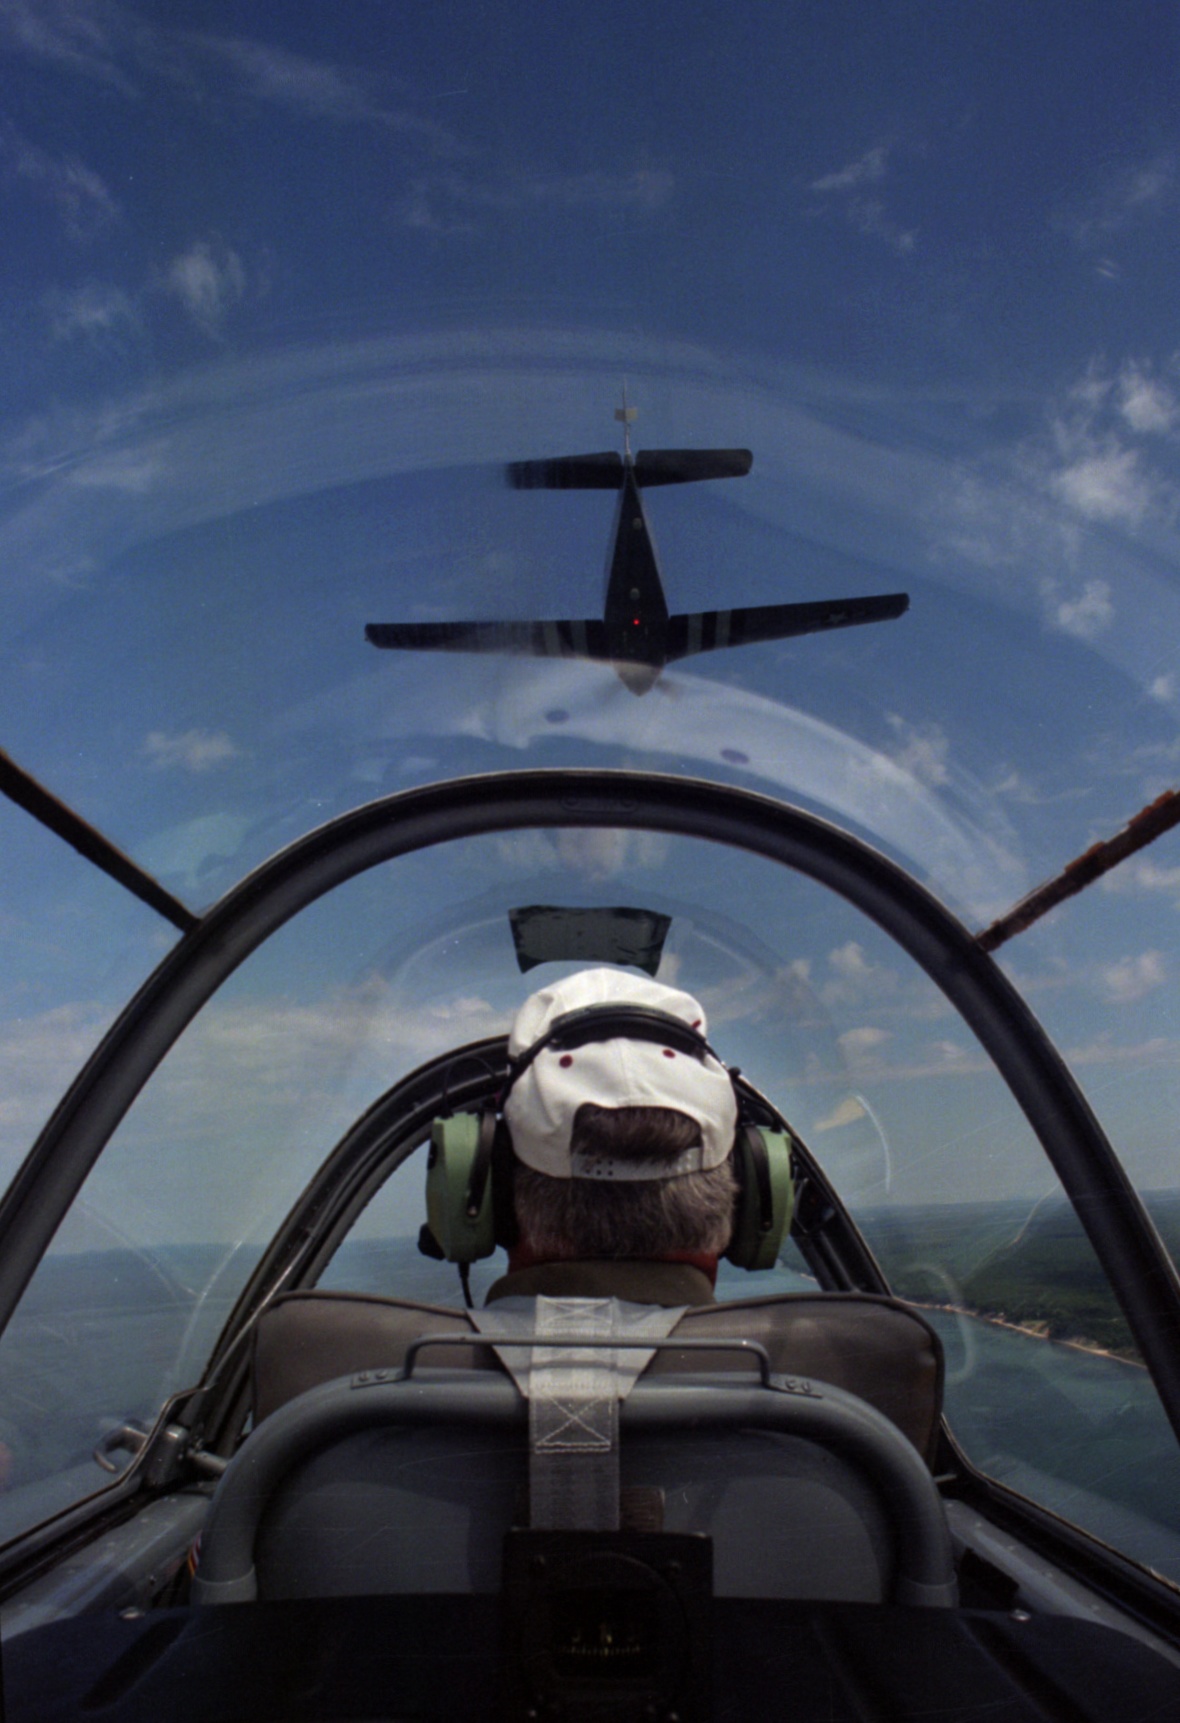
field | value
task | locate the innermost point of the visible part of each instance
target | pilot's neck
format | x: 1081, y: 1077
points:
x: 522, y: 1256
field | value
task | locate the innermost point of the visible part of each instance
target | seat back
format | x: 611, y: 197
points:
x: 876, y: 1348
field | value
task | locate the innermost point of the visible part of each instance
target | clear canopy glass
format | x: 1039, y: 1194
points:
x: 285, y: 291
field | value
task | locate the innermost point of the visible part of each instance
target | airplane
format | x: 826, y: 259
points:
x: 636, y: 634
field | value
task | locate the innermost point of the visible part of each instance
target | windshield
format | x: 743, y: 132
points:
x: 292, y: 299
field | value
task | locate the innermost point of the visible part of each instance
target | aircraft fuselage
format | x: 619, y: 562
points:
x: 635, y: 613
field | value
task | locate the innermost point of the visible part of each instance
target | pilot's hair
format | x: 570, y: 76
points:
x: 587, y: 1218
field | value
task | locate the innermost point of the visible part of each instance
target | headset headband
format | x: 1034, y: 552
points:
x: 615, y: 1022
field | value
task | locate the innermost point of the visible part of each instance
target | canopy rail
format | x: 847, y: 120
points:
x: 23, y: 789
x: 1150, y: 823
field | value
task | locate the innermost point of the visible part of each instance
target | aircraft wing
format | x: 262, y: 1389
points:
x: 709, y: 630
x: 537, y: 639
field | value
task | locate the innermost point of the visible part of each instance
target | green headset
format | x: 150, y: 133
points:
x: 469, y: 1168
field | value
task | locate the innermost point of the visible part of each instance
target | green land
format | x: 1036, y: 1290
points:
x: 1031, y: 1266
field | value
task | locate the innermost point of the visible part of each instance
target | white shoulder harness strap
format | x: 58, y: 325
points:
x: 573, y: 1394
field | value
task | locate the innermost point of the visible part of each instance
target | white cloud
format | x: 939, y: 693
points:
x: 1141, y: 875
x: 862, y: 1046
x: 95, y: 313
x: 1132, y: 978
x: 1145, y: 403
x: 596, y: 854
x: 866, y: 213
x: 209, y: 280
x: 1088, y: 615
x: 849, y: 961
x: 38, y: 1058
x: 192, y: 750
x: 853, y: 979
x: 1108, y: 485
x: 1163, y: 689
x: 867, y: 169
x: 922, y: 750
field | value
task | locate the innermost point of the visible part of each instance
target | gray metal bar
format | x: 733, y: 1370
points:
x: 567, y: 1342
x: 336, y: 1410
x: 23, y: 789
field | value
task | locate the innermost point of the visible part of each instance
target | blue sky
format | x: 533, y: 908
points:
x: 283, y: 285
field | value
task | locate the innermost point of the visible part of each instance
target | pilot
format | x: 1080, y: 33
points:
x: 623, y: 1181
x: 621, y: 1170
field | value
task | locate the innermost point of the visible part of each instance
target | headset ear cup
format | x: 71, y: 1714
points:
x: 766, y: 1197
x: 459, y: 1196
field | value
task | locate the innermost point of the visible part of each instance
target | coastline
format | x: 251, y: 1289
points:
x: 1034, y: 1331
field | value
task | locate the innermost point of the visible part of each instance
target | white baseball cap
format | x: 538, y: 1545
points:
x: 622, y: 1072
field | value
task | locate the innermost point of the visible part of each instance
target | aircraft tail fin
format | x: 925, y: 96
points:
x: 710, y: 630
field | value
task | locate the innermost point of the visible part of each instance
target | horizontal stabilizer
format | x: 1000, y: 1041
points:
x: 710, y: 630
x: 537, y: 639
x: 568, y: 473
x: 686, y: 466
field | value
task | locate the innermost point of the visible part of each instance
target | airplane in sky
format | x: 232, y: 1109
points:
x: 636, y: 633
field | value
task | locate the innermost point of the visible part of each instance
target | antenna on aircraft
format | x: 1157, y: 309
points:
x: 626, y: 416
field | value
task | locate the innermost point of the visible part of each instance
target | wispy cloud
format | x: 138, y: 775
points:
x: 97, y: 313
x: 1143, y: 876
x: 1125, y: 197
x: 39, y: 1055
x: 922, y: 750
x: 866, y: 171
x: 112, y: 44
x: 852, y: 979
x: 594, y: 854
x: 866, y: 211
x: 80, y: 196
x: 450, y: 201
x: 87, y: 37
x: 318, y: 90
x: 191, y: 750
x: 209, y: 280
